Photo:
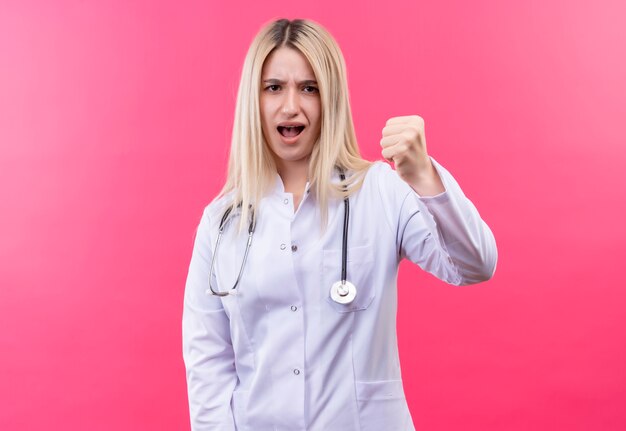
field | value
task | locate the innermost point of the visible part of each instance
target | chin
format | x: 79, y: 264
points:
x: 292, y: 156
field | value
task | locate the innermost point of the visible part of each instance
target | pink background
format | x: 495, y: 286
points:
x: 115, y: 121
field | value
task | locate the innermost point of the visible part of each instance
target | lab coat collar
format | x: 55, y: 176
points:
x: 279, y: 186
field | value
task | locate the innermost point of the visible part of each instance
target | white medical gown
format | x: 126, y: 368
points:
x: 281, y: 355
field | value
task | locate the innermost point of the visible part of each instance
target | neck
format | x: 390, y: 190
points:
x: 294, y: 175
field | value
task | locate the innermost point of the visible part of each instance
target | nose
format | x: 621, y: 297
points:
x: 291, y: 102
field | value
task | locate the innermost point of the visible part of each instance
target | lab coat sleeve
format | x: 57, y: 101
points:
x: 207, y: 347
x: 443, y: 234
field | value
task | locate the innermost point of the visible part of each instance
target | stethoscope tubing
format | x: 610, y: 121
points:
x: 344, y: 288
x: 222, y: 226
x: 344, y: 245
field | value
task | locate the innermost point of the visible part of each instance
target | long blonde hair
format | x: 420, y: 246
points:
x: 251, y: 167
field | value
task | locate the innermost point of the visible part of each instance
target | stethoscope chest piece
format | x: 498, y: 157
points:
x: 343, y: 292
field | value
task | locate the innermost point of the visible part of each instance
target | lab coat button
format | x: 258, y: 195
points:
x: 283, y: 246
x: 294, y: 248
x: 296, y: 371
x: 294, y: 308
x: 286, y: 201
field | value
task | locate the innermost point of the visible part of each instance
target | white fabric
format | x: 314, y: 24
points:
x: 281, y: 355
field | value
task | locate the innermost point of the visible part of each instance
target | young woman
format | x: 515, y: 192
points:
x: 289, y: 318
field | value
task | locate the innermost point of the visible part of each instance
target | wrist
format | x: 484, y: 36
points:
x: 427, y: 182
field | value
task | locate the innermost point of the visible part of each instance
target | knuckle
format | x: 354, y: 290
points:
x: 408, y: 135
x: 415, y: 133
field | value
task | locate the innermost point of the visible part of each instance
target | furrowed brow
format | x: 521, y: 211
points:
x: 279, y: 82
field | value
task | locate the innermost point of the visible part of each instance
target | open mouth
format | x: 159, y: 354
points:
x: 290, y: 131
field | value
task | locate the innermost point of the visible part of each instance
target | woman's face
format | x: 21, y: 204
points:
x: 290, y: 107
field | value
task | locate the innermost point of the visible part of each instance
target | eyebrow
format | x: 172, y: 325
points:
x: 278, y: 81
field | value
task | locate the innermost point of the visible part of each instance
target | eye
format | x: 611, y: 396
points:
x: 272, y: 88
x: 310, y: 89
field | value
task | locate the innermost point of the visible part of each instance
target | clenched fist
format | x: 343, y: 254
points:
x: 404, y: 144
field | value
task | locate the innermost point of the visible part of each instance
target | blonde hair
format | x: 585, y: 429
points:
x: 251, y: 167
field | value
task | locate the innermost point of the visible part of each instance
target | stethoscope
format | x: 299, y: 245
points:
x: 342, y: 291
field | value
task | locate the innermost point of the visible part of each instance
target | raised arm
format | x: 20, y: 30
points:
x: 437, y: 226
